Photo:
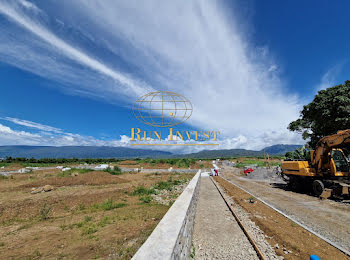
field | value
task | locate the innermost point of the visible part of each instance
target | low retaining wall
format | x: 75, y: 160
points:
x: 172, y: 238
x: 158, y: 170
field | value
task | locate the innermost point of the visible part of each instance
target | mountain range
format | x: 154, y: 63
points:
x: 124, y: 152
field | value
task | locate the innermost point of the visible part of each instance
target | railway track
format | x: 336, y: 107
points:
x: 246, y: 233
x: 343, y: 250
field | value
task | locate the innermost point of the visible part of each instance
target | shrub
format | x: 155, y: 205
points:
x: 146, y: 199
x: 141, y: 190
x: 108, y: 205
x: 45, y: 211
x: 164, y: 185
x: 115, y: 171
x: 88, y: 218
x: 89, y: 229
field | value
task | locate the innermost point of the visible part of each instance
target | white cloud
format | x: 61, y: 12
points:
x: 10, y: 136
x: 51, y: 136
x: 32, y: 124
x: 17, y: 15
x: 194, y: 48
x: 329, y: 79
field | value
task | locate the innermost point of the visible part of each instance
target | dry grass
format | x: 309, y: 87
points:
x: 93, y: 215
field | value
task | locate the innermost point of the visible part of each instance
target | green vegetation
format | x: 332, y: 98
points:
x: 193, y: 253
x: 328, y: 113
x: 73, y: 170
x: 145, y: 193
x: 146, y: 199
x: 5, y: 164
x: 115, y: 171
x: 108, y: 205
x: 45, y: 212
x: 181, y: 163
x: 141, y: 190
x: 87, y: 218
x: 301, y: 153
x: 89, y: 229
x: 105, y: 221
x: 168, y: 185
x: 32, y: 162
x: 259, y: 163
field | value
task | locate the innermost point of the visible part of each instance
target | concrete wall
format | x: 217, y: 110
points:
x: 172, y: 237
x: 158, y: 170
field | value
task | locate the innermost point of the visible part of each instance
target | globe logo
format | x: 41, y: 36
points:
x: 162, y: 109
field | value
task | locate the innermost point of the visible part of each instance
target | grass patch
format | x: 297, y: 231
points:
x: 259, y: 163
x: 193, y: 253
x: 2, y: 243
x: 5, y: 164
x: 105, y: 221
x: 73, y: 170
x: 115, y: 171
x: 142, y: 190
x: 146, y: 199
x: 89, y: 229
x: 181, y: 163
x: 3, y: 177
x: 45, y: 212
x: 168, y: 185
x: 108, y: 205
x: 87, y: 218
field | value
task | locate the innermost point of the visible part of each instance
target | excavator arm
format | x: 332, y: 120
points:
x: 325, y: 145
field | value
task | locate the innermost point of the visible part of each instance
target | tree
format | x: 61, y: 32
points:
x: 328, y: 113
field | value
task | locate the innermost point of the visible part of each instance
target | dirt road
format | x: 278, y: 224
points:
x: 329, y: 218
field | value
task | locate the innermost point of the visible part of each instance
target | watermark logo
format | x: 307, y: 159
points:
x: 162, y: 109
x: 165, y: 109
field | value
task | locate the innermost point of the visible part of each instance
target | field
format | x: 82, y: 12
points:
x: 87, y: 214
x: 261, y: 162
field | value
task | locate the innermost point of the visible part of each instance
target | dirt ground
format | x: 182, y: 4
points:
x: 280, y: 231
x: 329, y: 218
x: 94, y: 215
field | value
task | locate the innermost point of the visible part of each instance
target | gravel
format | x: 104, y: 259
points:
x: 254, y: 231
x: 265, y: 174
x: 216, y: 234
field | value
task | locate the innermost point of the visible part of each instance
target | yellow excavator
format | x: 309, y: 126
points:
x: 328, y: 171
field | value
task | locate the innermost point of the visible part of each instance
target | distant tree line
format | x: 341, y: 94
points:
x: 10, y: 159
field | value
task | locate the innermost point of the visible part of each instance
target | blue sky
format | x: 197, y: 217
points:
x: 70, y: 72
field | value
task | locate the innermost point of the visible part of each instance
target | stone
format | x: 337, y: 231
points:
x: 37, y: 190
x: 47, y: 188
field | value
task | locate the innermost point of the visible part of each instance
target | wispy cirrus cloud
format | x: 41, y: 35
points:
x: 32, y: 124
x: 33, y: 23
x: 329, y: 79
x: 118, y: 50
x: 40, y: 134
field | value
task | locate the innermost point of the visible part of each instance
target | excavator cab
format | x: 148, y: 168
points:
x: 339, y: 163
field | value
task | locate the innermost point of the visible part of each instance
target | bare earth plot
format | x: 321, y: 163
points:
x: 328, y: 218
x: 91, y: 215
